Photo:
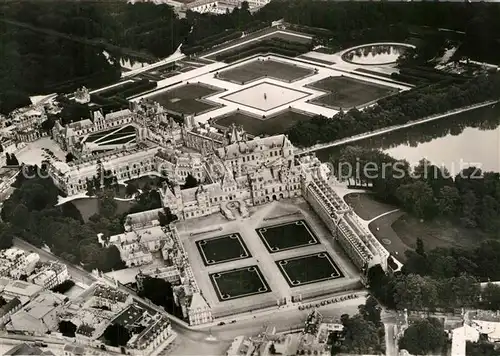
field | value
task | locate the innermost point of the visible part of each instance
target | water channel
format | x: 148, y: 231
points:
x: 455, y: 142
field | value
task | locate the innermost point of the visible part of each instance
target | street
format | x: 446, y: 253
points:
x: 190, y: 341
x: 77, y: 274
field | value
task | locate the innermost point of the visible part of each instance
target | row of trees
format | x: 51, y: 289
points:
x: 472, y: 197
x: 396, y: 110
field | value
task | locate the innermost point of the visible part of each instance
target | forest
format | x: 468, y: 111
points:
x: 35, y: 63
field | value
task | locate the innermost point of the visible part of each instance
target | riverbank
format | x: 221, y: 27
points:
x: 393, y: 128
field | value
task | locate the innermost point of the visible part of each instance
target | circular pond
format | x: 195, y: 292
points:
x: 375, y: 54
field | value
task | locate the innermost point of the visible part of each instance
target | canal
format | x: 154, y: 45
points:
x: 455, y: 142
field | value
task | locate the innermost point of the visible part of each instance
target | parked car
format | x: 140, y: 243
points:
x: 221, y: 323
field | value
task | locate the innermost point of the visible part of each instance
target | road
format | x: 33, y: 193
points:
x: 77, y: 274
x: 80, y: 275
x: 93, y: 42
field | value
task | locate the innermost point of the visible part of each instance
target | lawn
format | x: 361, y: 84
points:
x: 257, y: 126
x: 287, y: 236
x: 243, y: 45
x: 186, y: 99
x: 345, y: 93
x: 89, y: 207
x: 366, y: 207
x: 309, y: 269
x: 239, y: 283
x: 222, y: 249
x: 436, y: 233
x: 266, y: 68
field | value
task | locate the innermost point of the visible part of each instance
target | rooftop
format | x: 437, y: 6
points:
x: 25, y: 349
x: 110, y: 293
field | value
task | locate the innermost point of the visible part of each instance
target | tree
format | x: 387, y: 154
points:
x: 417, y: 198
x: 448, y: 201
x: 107, y: 206
x: 67, y: 328
x: 360, y: 336
x: 424, y: 337
x: 490, y: 297
x: 160, y: 292
x: 166, y: 217
x: 191, y: 182
x: 117, y: 335
x: 131, y: 189
x: 90, y: 188
x: 371, y: 311
x: 13, y: 160
x: 63, y: 287
x: 70, y: 157
x: 272, y: 349
x: 420, y: 247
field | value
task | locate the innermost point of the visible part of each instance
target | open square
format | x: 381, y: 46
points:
x: 222, y: 249
x: 308, y: 269
x: 239, y: 283
x: 265, y: 96
x: 287, y: 236
x: 265, y: 68
x: 255, y: 126
x: 344, y: 92
x: 187, y: 99
x: 112, y: 136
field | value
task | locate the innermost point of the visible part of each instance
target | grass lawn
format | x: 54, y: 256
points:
x: 242, y: 47
x: 186, y: 99
x: 287, y: 236
x: 89, y: 207
x: 153, y: 181
x: 239, y: 283
x: 272, y: 125
x: 436, y: 233
x: 366, y: 206
x: 222, y: 249
x: 259, y: 69
x: 344, y: 92
x: 372, y: 72
x: 309, y: 269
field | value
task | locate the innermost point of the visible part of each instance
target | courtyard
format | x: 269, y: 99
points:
x: 312, y: 268
x: 286, y: 236
x: 238, y: 271
x: 222, y: 249
x: 187, y: 99
x: 238, y: 283
x: 265, y: 96
x: 113, y: 135
x: 255, y: 126
x: 345, y: 92
x: 258, y: 69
